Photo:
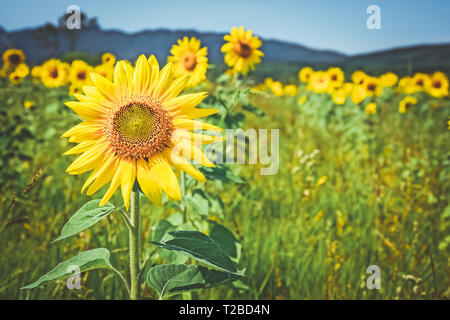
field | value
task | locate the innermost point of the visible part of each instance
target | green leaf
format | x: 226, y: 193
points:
x: 87, y: 260
x: 170, y: 279
x: 220, y: 172
x: 198, y: 202
x: 85, y: 217
x: 224, y: 238
x: 200, y: 247
x: 161, y: 229
x: 253, y: 109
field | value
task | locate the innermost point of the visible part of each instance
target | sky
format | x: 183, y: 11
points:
x: 319, y: 24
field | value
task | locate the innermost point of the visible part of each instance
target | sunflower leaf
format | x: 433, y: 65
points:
x: 170, y: 279
x: 200, y: 247
x: 84, y: 261
x: 84, y: 218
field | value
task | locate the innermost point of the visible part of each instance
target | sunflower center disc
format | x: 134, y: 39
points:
x: 190, y: 62
x: 243, y: 49
x: 14, y: 58
x: 437, y: 85
x: 138, y: 130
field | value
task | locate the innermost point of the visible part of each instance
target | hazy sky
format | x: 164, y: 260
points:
x: 337, y: 25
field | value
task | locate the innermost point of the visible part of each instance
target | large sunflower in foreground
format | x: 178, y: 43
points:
x: 189, y: 59
x: 136, y: 128
x: 241, y: 50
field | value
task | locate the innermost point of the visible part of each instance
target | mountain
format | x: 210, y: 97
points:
x: 42, y: 43
x: 48, y: 41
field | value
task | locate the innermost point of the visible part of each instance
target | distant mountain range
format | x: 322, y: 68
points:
x: 44, y: 42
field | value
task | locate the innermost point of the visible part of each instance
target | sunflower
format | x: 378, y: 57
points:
x: 358, y: 94
x: 336, y: 76
x: 358, y: 77
x: 339, y: 96
x: 406, y: 85
x: 13, y: 57
x: 136, y: 128
x: 15, y: 77
x: 54, y: 73
x: 242, y: 50
x: 290, y: 89
x: 28, y: 104
x: 319, y: 81
x: 438, y: 86
x: 406, y: 104
x: 420, y: 81
x: 36, y: 71
x: 108, y: 58
x: 372, y: 86
x: 388, y: 79
x: 105, y: 70
x: 277, y: 88
x: 371, y: 108
x: 79, y: 73
x: 189, y: 59
x: 305, y: 74
x: 23, y: 70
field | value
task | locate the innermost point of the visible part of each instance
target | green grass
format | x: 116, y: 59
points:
x: 383, y: 203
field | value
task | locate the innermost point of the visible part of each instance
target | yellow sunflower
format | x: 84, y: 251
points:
x: 339, y: 96
x: 406, y: 85
x: 13, y: 57
x: 242, y: 50
x: 305, y: 74
x: 290, y: 90
x: 136, y: 128
x: 406, y: 104
x: 22, y: 69
x: 372, y: 86
x: 358, y: 77
x: 371, y: 108
x: 108, y: 58
x: 358, y: 94
x: 15, y: 77
x: 438, y: 86
x: 54, y: 73
x: 388, y: 79
x: 105, y: 70
x: 421, y: 81
x: 319, y: 81
x: 189, y: 59
x: 277, y: 88
x: 79, y: 73
x: 336, y: 76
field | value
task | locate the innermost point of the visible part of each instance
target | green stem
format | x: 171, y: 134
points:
x: 134, y: 245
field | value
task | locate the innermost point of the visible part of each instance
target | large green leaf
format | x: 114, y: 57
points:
x: 87, y: 260
x: 85, y: 217
x: 224, y: 238
x: 169, y: 279
x: 200, y: 247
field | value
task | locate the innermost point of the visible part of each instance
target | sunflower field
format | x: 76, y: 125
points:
x: 362, y: 179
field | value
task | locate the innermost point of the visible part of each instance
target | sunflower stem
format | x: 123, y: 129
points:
x: 134, y: 245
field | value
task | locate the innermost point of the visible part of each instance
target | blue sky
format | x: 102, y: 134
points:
x: 321, y: 24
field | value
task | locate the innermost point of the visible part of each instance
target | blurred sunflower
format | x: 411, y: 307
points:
x: 290, y: 90
x: 319, y: 81
x: 372, y: 86
x: 420, y: 81
x: 371, y: 108
x: 79, y: 73
x: 23, y: 70
x: 358, y: 94
x: 13, y: 57
x: 358, y: 77
x: 28, y: 104
x: 277, y: 88
x: 54, y: 73
x: 241, y: 50
x: 406, y: 85
x: 108, y: 58
x: 339, y: 96
x: 388, y: 79
x: 36, y: 71
x: 189, y: 59
x: 336, y: 76
x: 305, y: 74
x: 438, y: 86
x: 15, y: 78
x: 406, y: 104
x: 105, y: 70
x: 136, y: 128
